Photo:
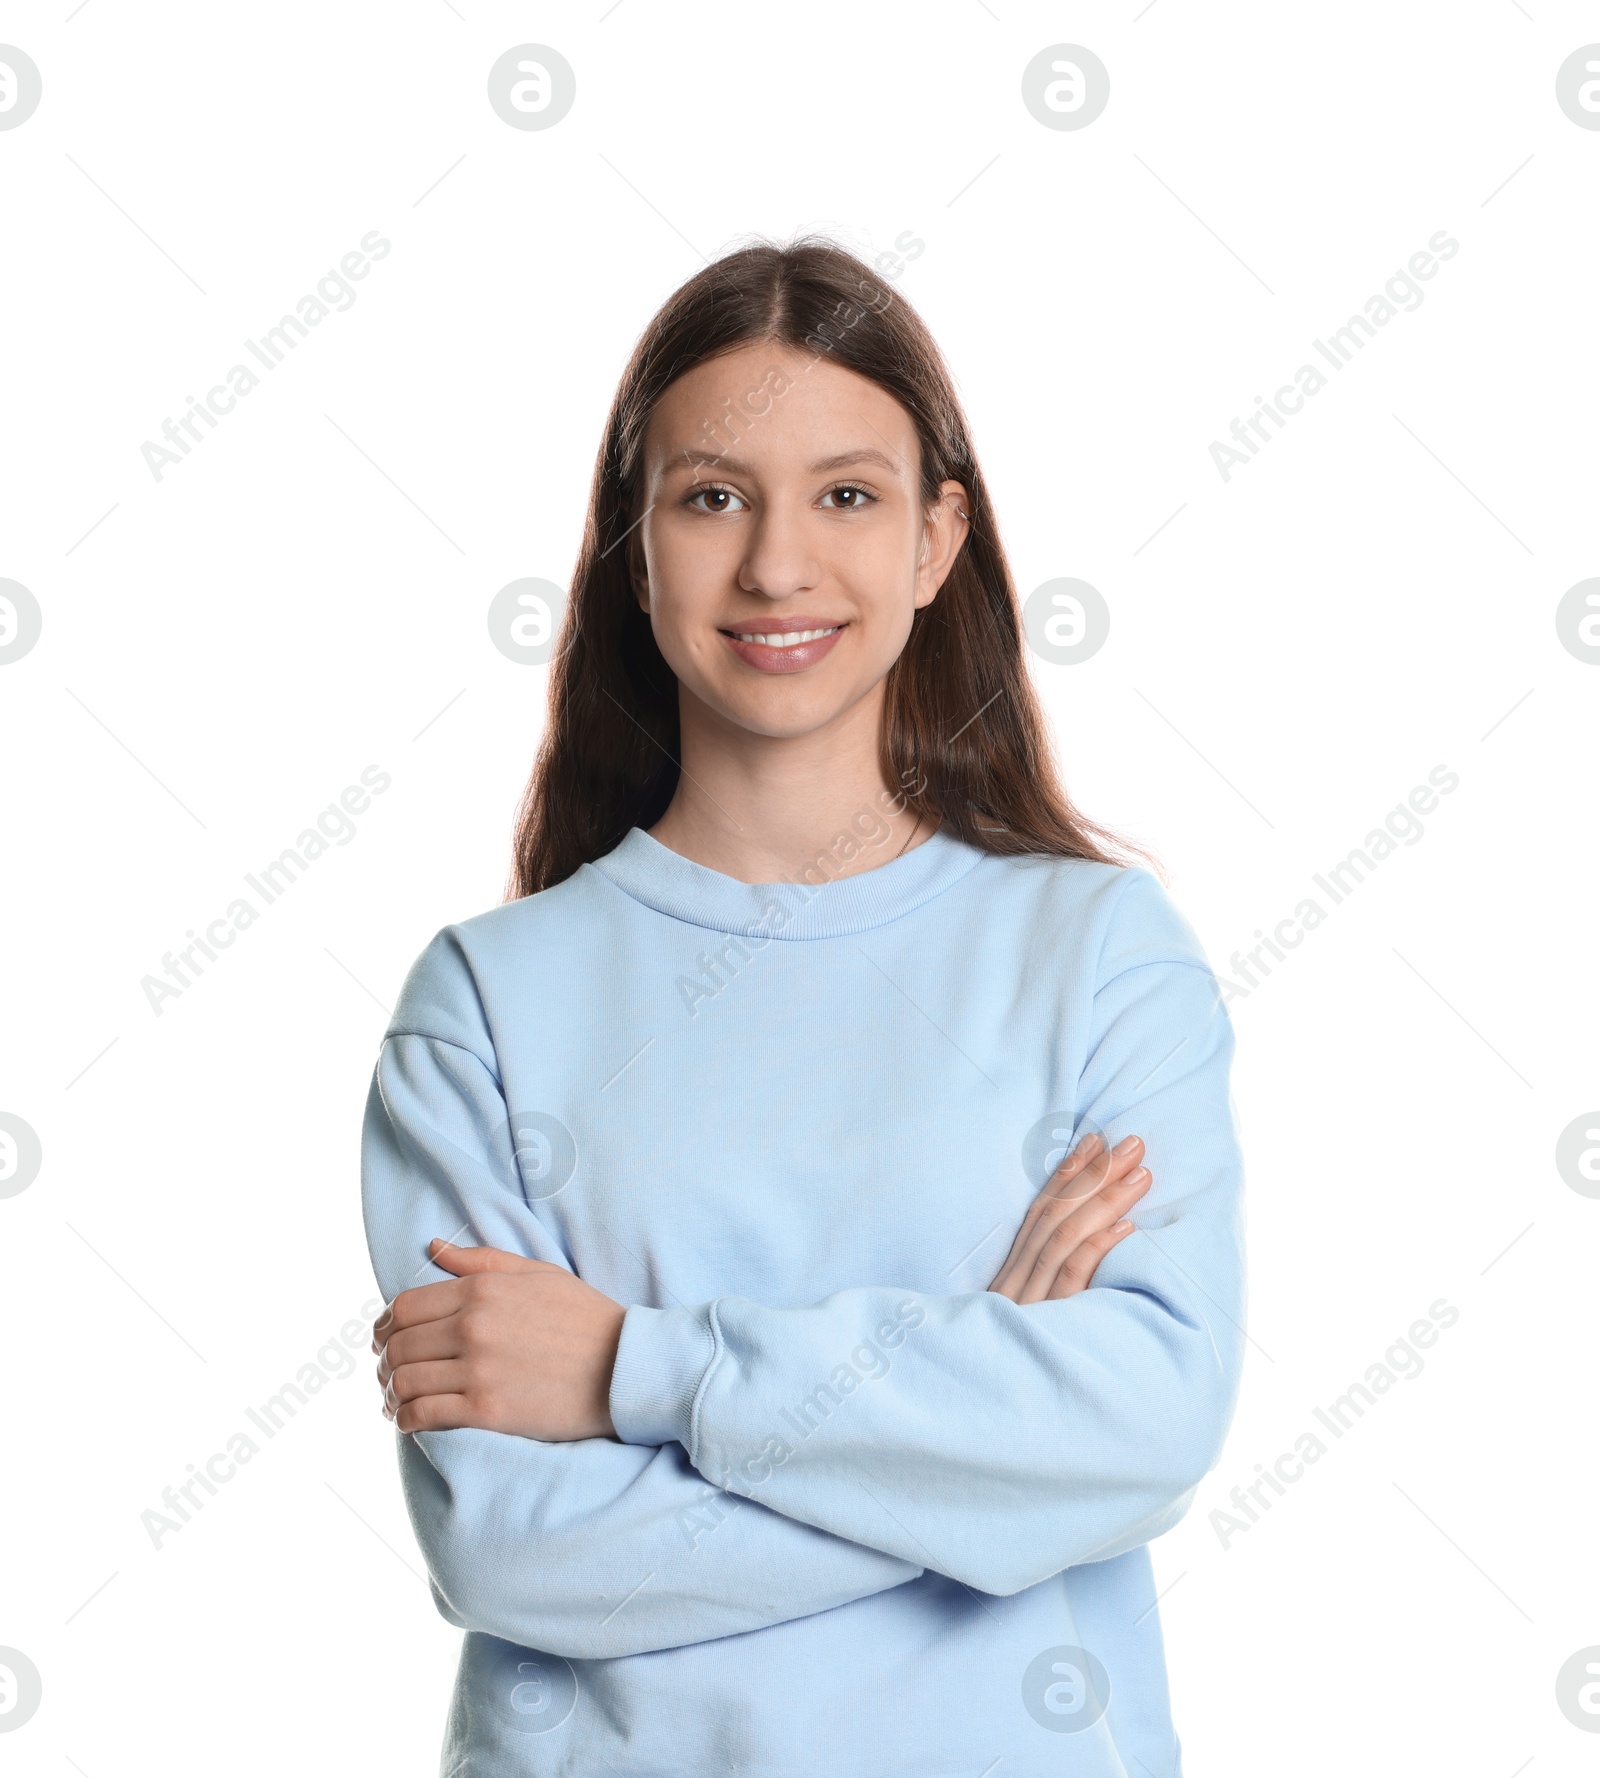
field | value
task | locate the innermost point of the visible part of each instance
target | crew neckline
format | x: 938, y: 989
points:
x: 651, y: 873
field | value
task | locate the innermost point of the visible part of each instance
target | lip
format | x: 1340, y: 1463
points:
x: 794, y: 658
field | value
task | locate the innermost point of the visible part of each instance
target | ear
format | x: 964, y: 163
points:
x: 944, y: 529
x: 638, y: 574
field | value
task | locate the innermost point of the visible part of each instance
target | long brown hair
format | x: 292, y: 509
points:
x: 963, y: 737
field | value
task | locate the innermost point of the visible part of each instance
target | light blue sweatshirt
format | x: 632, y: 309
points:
x: 864, y: 1518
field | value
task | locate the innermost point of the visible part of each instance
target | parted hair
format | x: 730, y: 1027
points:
x: 963, y: 738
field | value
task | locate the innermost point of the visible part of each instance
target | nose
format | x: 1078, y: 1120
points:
x: 781, y: 560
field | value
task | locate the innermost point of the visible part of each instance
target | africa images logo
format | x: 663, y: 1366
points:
x: 335, y: 292
x: 1402, y: 292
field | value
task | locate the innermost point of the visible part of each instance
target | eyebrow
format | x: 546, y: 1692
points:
x: 737, y: 466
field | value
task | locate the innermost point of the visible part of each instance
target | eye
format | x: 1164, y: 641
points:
x: 713, y: 491
x: 864, y: 497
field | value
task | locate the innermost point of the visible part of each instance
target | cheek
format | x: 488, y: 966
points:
x: 688, y: 579
x: 687, y: 589
x: 879, y: 575
x: 882, y: 634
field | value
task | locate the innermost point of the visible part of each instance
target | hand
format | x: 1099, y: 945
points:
x: 1074, y: 1222
x: 509, y: 1344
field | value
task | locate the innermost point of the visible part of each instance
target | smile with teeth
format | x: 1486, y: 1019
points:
x: 783, y: 638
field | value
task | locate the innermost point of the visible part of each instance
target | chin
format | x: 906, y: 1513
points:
x: 785, y: 724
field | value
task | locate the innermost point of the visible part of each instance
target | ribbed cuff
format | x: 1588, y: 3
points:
x: 661, y: 1357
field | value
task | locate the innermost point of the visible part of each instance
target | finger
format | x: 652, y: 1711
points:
x: 1074, y: 1163
x: 463, y: 1261
x: 435, y: 1413
x: 416, y: 1305
x: 412, y: 1380
x: 1078, y: 1273
x: 1089, y: 1218
x: 1086, y: 1216
x: 1090, y: 1152
x: 1093, y: 1170
x: 1066, y: 1189
x: 1065, y: 1197
x: 1067, y: 1251
x: 414, y: 1345
x: 425, y: 1302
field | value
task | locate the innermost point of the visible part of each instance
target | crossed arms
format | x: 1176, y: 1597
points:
x: 767, y: 1463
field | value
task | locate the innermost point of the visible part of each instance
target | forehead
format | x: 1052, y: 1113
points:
x: 768, y: 404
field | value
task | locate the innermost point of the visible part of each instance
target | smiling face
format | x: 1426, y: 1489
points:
x: 782, y: 557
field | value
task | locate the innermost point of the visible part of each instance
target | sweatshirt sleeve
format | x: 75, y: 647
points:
x: 998, y: 1443
x: 590, y: 1549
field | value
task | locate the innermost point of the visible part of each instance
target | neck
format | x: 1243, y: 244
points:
x: 760, y: 808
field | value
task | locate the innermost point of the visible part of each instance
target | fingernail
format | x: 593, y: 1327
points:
x: 1138, y: 1176
x: 1121, y: 1228
x: 1092, y: 1144
x: 1127, y: 1145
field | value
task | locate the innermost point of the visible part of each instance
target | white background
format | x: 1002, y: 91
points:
x: 224, y: 650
